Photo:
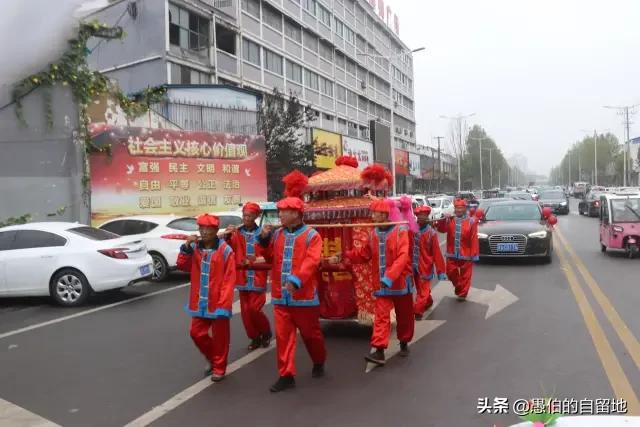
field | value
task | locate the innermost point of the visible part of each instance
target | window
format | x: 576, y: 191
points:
x: 252, y: 7
x: 361, y: 74
x: 6, y: 240
x: 251, y: 52
x: 115, y: 227
x: 326, y: 86
x: 272, y: 17
x: 352, y: 98
x: 339, y: 60
x: 311, y: 79
x: 226, y: 39
x: 351, y: 67
x: 341, y: 93
x: 339, y: 28
x: 227, y: 220
x: 360, y: 14
x: 292, y: 30
x: 273, y: 62
x: 184, y: 224
x: 363, y: 103
x: 325, y: 16
x: 326, y: 51
x: 311, y: 42
x: 188, y: 30
x: 187, y: 76
x: 134, y: 226
x: 309, y: 6
x: 372, y: 80
x: 28, y: 239
x: 350, y: 35
x: 294, y: 72
x: 361, y: 44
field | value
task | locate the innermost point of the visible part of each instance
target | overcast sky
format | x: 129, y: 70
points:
x: 534, y: 72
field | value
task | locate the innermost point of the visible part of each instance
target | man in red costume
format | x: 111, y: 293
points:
x: 213, y: 273
x: 294, y: 251
x: 462, y: 247
x: 388, y: 250
x: 427, y: 261
x: 250, y: 283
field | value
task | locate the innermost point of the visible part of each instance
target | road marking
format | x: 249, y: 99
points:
x: 86, y: 312
x: 189, y: 393
x: 16, y: 416
x: 626, y: 336
x: 615, y: 374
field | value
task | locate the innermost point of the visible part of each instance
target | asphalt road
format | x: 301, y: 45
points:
x: 128, y: 360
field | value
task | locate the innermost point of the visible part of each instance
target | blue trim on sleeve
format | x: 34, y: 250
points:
x: 221, y: 312
x: 442, y: 276
x: 475, y: 259
x: 295, y: 280
x: 386, y: 281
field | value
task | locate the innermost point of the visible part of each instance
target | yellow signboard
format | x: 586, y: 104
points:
x: 327, y: 147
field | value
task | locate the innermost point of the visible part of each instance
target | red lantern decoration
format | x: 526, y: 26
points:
x: 552, y: 220
x: 480, y: 213
x: 546, y: 212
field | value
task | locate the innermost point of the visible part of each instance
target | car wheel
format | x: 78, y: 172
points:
x: 69, y: 287
x: 603, y: 248
x: 547, y: 259
x: 160, y: 267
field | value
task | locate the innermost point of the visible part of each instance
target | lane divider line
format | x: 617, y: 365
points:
x: 615, y: 374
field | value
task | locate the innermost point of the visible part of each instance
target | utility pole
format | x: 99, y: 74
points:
x: 595, y: 158
x: 625, y: 111
x: 439, y: 162
x: 480, y: 150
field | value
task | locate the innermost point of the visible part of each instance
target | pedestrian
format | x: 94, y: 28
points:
x: 389, y: 253
x: 212, y: 265
x: 462, y: 247
x: 250, y: 283
x: 427, y: 261
x: 294, y: 251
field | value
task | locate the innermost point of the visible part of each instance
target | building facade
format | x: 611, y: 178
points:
x: 337, y: 55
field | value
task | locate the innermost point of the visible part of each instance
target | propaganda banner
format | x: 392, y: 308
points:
x: 164, y: 171
x: 361, y: 150
x: 327, y: 147
x: 414, y: 165
x: 402, y: 162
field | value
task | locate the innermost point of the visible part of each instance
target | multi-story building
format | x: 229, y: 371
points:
x: 337, y: 55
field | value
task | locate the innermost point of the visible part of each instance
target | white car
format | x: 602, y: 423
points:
x: 440, y: 207
x: 163, y: 235
x: 68, y: 261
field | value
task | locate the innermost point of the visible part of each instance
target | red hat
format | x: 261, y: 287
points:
x: 379, y: 205
x: 422, y: 210
x: 293, y: 203
x: 208, y: 220
x: 251, y: 207
x: 460, y: 203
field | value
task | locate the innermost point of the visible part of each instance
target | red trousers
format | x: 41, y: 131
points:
x: 215, y: 349
x: 382, y: 324
x: 423, y: 297
x: 307, y: 321
x: 460, y: 272
x: 254, y: 320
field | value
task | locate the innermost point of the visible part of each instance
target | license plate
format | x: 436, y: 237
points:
x: 145, y: 270
x: 507, y: 247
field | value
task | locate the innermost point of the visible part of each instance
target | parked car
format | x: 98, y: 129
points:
x: 515, y: 228
x: 580, y: 189
x: 440, y: 206
x: 67, y: 261
x: 556, y: 200
x: 590, y: 204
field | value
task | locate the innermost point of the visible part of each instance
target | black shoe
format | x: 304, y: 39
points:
x: 254, y: 344
x: 217, y: 378
x: 462, y: 299
x: 208, y: 370
x: 317, y: 371
x: 265, y: 339
x: 376, y: 357
x: 418, y: 316
x: 404, y: 349
x: 283, y: 383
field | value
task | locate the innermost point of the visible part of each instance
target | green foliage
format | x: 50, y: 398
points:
x: 578, y: 163
x: 23, y: 219
x: 282, y: 122
x: 470, y: 163
x: 544, y: 414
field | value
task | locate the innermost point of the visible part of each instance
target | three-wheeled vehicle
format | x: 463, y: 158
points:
x: 620, y: 223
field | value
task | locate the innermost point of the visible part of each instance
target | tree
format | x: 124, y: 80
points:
x: 281, y: 122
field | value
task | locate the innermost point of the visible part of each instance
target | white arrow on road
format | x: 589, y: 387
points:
x: 496, y: 300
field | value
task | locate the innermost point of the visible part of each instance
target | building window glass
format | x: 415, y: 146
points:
x: 188, y: 76
x: 294, y: 72
x: 326, y: 51
x: 361, y: 44
x: 309, y: 6
x: 352, y: 98
x: 226, y: 39
x: 325, y: 16
x: 311, y: 79
x: 272, y: 17
x: 341, y: 93
x: 339, y: 28
x: 292, y: 30
x: 350, y: 35
x: 252, y: 7
x: 310, y: 42
x: 251, y: 52
x: 188, y: 30
x: 273, y: 62
x: 326, y: 86
x: 351, y: 67
x: 339, y: 60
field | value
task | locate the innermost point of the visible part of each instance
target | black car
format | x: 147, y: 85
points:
x: 556, y: 200
x: 515, y: 229
x: 469, y: 197
x: 590, y: 205
x: 485, y: 203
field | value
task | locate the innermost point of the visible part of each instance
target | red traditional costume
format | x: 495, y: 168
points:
x: 295, y: 256
x: 462, y: 249
x: 213, y: 275
x: 388, y: 251
x: 427, y: 261
x: 251, y: 284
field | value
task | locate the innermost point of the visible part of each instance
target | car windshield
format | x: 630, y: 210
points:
x: 520, y: 195
x: 625, y: 210
x: 93, y: 233
x: 270, y: 217
x: 552, y: 195
x: 513, y: 212
x: 436, y: 203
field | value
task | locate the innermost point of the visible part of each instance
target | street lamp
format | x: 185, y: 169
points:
x: 490, y: 168
x: 459, y: 119
x: 595, y: 153
x: 624, y: 110
x: 393, y: 102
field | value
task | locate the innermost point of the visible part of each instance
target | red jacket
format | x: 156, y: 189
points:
x: 295, y: 257
x: 246, y: 243
x: 426, y: 255
x: 389, y: 253
x: 462, y: 237
x: 213, y: 275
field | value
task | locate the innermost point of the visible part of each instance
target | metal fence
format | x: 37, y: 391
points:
x: 209, y: 118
